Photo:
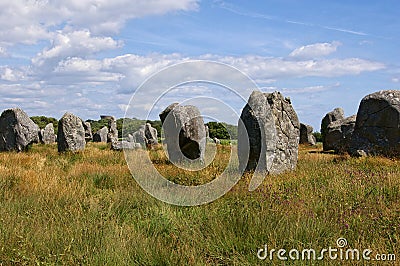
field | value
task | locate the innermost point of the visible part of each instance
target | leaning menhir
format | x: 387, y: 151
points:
x: 377, y: 128
x: 17, y: 130
x: 71, y: 133
x: 268, y: 134
x: 184, y: 132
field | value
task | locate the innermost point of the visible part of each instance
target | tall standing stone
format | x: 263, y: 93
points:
x: 17, y: 130
x: 47, y: 135
x: 184, y: 132
x: 306, y: 134
x: 336, y: 114
x: 268, y: 134
x: 377, y: 128
x: 112, y: 135
x: 88, y: 131
x: 71, y: 133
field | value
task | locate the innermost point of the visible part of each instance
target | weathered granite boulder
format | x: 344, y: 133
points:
x: 336, y: 114
x: 47, y: 135
x: 17, y: 130
x: 71, y: 133
x: 377, y: 129
x: 88, y: 131
x: 184, y: 132
x: 112, y: 130
x: 306, y: 134
x: 101, y: 135
x: 268, y: 134
x: 339, y: 133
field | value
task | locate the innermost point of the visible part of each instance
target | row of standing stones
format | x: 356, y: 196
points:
x: 269, y: 131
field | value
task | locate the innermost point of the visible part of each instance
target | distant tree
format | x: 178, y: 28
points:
x: 218, y: 130
x: 318, y: 136
x: 42, y: 121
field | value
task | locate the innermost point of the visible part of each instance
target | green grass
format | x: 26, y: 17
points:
x: 85, y: 208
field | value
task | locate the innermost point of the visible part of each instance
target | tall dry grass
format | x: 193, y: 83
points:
x: 85, y: 208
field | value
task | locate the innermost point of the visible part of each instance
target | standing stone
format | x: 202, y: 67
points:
x: 139, y: 136
x: 339, y: 133
x: 268, y: 134
x: 377, y: 129
x: 112, y: 130
x: 88, y: 131
x: 216, y: 141
x: 151, y: 135
x: 207, y: 131
x: 330, y: 117
x: 306, y: 136
x: 184, y: 131
x: 17, y: 130
x: 47, y: 135
x: 101, y: 135
x: 71, y: 133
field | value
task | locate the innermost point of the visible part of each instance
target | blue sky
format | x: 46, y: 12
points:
x: 89, y: 56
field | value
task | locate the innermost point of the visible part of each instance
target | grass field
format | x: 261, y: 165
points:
x: 85, y: 208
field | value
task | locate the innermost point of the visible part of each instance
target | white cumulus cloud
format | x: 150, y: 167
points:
x: 315, y: 50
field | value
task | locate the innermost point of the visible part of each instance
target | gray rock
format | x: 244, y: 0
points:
x: 377, y: 129
x: 71, y: 133
x: 336, y: 114
x: 130, y: 138
x: 101, y: 135
x: 88, y: 131
x: 112, y: 130
x: 139, y: 136
x: 120, y: 145
x: 339, y: 133
x: 184, y: 132
x: 268, y: 134
x: 306, y: 134
x: 151, y: 135
x: 17, y: 130
x: 216, y: 141
x: 47, y: 135
x: 207, y: 131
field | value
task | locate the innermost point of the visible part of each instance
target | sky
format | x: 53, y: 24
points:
x: 90, y: 57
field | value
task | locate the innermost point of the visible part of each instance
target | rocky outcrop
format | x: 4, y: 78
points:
x: 17, y: 130
x: 71, y: 133
x: 268, y: 134
x: 377, y: 128
x: 336, y: 114
x: 306, y: 134
x: 184, y: 132
x: 339, y: 133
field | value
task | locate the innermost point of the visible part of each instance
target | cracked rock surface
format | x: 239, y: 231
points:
x: 268, y: 132
x: 17, y: 130
x: 377, y: 129
x: 71, y: 133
